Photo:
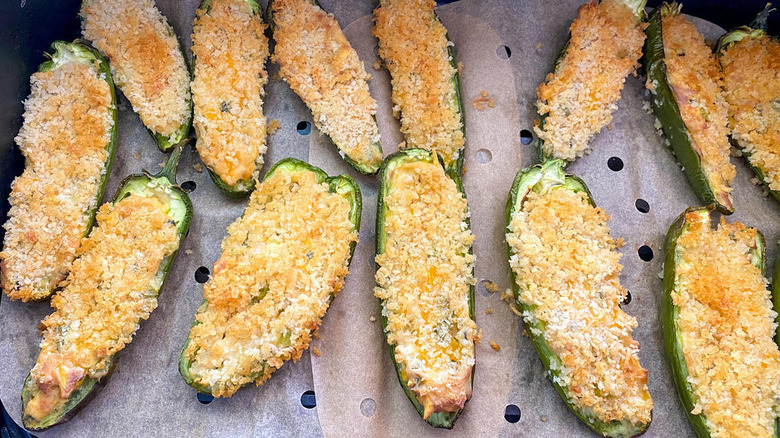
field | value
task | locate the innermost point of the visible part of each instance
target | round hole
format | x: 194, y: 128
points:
x: 627, y: 298
x: 308, y: 400
x: 202, y: 274
x: 482, y: 287
x: 642, y: 205
x: 615, y: 164
x: 369, y: 189
x: 645, y: 253
x: 188, y: 186
x: 503, y: 52
x: 303, y: 128
x: 205, y: 398
x: 512, y: 413
x: 368, y: 407
x: 526, y: 137
x: 484, y: 156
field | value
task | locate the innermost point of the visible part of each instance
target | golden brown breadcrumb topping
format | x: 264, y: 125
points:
x: 67, y: 127
x: 230, y: 51
x: 414, y: 46
x: 751, y: 71
x: 568, y: 271
x: 282, y: 263
x: 424, y: 279
x: 577, y: 100
x: 726, y: 323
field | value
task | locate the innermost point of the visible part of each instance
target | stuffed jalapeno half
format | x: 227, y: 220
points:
x: 751, y: 75
x: 323, y: 69
x: 684, y: 80
x: 425, y: 282
x: 146, y: 61
x: 420, y: 57
x: 68, y: 140
x: 566, y: 278
x: 229, y: 53
x: 282, y: 263
x: 578, y: 98
x: 719, y: 325
x: 112, y: 287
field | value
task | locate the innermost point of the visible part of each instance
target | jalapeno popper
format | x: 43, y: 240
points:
x: 566, y: 278
x: 282, y: 263
x: 685, y: 81
x: 68, y: 139
x: 321, y: 67
x: 425, y: 281
x: 146, y: 61
x: 424, y: 75
x: 751, y: 70
x: 229, y: 51
x: 112, y: 287
x: 719, y: 325
x: 578, y: 98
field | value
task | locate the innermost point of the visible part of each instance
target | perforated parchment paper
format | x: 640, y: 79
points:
x: 356, y: 388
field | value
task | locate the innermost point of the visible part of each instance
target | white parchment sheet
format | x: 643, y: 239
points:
x: 355, y: 384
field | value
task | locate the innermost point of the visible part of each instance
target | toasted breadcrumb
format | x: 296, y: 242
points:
x: 188, y: 251
x: 145, y: 58
x: 751, y: 71
x: 282, y: 262
x: 490, y: 286
x: 273, y: 126
x: 230, y: 52
x: 198, y: 167
x: 137, y: 155
x: 424, y: 277
x: 321, y: 66
x: 377, y: 65
x: 696, y: 79
x: 567, y: 269
x: 727, y: 324
x: 577, y: 100
x: 316, y: 351
x: 494, y: 345
x: 488, y: 311
x: 113, y: 286
x: 68, y: 119
x: 415, y: 49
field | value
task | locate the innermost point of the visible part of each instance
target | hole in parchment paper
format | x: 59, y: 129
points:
x: 503, y: 52
x: 512, y: 413
x: 645, y: 253
x: 642, y: 205
x: 205, y: 398
x: 484, y: 156
x: 369, y: 189
x: 615, y: 164
x: 526, y: 137
x: 303, y: 128
x: 188, y: 186
x: 308, y: 400
x: 483, y: 290
x: 202, y: 274
x: 368, y: 407
x: 627, y: 298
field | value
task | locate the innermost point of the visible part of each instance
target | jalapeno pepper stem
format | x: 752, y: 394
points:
x: 169, y: 170
x: 760, y: 22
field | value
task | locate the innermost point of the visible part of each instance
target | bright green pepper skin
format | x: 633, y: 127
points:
x: 756, y: 29
x: 670, y: 313
x: 343, y: 185
x: 445, y: 420
x: 242, y: 187
x: 365, y: 169
x: 668, y: 112
x: 540, y: 179
x: 638, y: 7
x: 163, y: 187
